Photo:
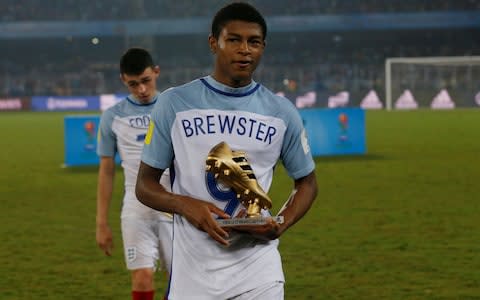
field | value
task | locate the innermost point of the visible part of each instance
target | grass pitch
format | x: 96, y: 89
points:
x: 398, y: 223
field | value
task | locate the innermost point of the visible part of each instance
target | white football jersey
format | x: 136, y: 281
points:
x: 122, y: 129
x: 187, y: 122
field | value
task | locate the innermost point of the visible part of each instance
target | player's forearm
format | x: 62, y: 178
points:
x: 297, y: 207
x: 151, y: 193
x: 154, y: 195
x: 103, y: 205
x: 104, y: 193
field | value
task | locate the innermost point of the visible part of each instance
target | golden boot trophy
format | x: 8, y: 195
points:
x: 232, y: 169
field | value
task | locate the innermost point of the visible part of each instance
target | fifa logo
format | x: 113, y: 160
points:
x: 343, y: 128
x: 89, y: 129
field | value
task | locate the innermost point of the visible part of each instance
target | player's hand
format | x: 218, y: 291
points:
x: 268, y: 231
x: 104, y: 239
x: 199, y: 213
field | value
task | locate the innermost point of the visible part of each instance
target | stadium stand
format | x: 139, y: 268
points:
x: 325, y: 61
x: 33, y: 10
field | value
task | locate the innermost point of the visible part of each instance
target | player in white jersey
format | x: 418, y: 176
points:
x: 146, y: 233
x: 210, y: 261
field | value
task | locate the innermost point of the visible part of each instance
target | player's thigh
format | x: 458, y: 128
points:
x: 269, y: 291
x: 165, y: 235
x: 140, y: 242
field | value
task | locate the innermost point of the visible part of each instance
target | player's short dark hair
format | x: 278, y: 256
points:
x: 135, y: 60
x: 237, y: 11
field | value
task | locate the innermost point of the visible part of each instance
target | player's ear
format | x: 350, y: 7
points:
x: 156, y: 69
x: 121, y: 78
x: 212, y: 42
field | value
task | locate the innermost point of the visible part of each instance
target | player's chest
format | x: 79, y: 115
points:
x: 131, y: 129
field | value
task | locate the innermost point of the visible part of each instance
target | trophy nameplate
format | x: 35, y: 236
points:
x: 248, y: 221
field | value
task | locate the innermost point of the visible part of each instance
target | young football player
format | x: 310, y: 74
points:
x: 146, y: 233
x: 226, y: 108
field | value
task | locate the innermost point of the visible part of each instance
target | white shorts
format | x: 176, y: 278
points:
x: 147, y: 242
x: 146, y: 233
x: 269, y: 291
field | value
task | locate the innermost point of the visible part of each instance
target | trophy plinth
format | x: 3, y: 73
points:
x: 253, y: 210
x: 232, y: 169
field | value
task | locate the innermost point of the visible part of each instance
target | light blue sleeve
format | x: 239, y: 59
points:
x: 106, y: 140
x: 296, y: 155
x: 158, y: 148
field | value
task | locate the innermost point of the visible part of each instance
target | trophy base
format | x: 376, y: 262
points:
x: 248, y: 221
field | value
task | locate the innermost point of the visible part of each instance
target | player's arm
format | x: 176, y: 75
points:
x: 151, y: 193
x: 297, y: 205
x: 106, y: 174
x: 300, y: 202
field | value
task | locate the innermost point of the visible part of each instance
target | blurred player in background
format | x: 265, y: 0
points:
x: 211, y: 262
x: 146, y: 233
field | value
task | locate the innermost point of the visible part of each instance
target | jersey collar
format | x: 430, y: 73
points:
x: 220, y: 88
x: 132, y: 99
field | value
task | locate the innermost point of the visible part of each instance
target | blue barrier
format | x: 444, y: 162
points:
x: 70, y: 103
x: 80, y: 138
x: 339, y: 131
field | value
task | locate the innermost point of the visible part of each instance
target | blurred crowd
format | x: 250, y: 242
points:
x: 74, y: 10
x: 337, y: 63
x: 295, y: 63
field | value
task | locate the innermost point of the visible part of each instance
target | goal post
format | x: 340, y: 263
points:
x: 424, y: 78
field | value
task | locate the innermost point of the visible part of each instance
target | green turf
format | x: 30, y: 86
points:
x: 398, y: 223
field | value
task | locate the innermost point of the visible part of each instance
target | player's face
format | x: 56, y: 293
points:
x: 143, y: 86
x: 238, y: 51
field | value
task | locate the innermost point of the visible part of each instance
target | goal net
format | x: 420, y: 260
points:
x: 432, y: 82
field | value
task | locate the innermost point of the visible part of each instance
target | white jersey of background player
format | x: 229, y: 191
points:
x: 210, y: 262
x: 146, y: 233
